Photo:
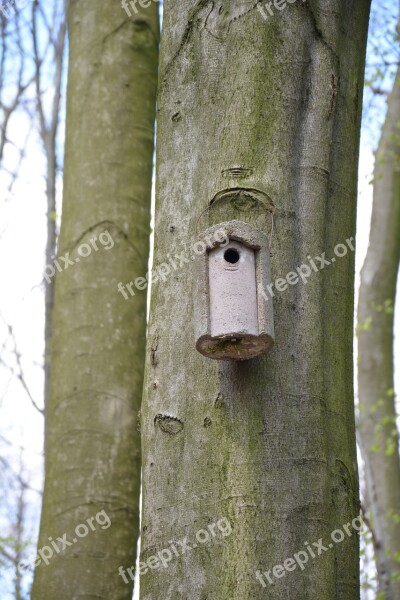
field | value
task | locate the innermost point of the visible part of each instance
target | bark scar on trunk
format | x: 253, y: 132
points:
x: 154, y: 348
x: 168, y: 424
x: 320, y: 34
x: 333, y: 98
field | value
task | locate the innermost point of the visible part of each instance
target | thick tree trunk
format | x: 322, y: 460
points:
x: 378, y: 433
x: 93, y: 446
x: 271, y: 105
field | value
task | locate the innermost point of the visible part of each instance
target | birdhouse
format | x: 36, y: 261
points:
x: 233, y: 313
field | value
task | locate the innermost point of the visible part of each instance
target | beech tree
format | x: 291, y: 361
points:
x: 98, y: 338
x: 377, y: 424
x: 254, y: 106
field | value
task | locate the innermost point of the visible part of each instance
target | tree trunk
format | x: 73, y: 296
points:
x: 49, y: 137
x: 271, y: 105
x: 98, y: 342
x: 48, y: 129
x: 378, y: 432
x: 51, y: 245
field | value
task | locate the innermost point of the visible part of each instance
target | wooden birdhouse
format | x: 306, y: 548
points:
x: 233, y: 313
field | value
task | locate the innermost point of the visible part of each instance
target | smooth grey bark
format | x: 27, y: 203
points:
x: 93, y: 453
x: 269, y: 444
x: 377, y: 425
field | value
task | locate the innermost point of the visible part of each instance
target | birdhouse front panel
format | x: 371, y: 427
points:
x: 233, y: 290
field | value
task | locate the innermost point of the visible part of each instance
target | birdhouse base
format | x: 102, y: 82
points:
x: 235, y: 346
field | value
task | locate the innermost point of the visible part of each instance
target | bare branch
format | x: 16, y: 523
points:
x: 19, y: 373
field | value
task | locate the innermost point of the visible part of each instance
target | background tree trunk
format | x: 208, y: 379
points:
x: 273, y: 105
x: 92, y: 442
x: 378, y: 432
x: 48, y: 131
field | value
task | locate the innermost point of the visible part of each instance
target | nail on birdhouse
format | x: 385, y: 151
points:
x: 233, y: 314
